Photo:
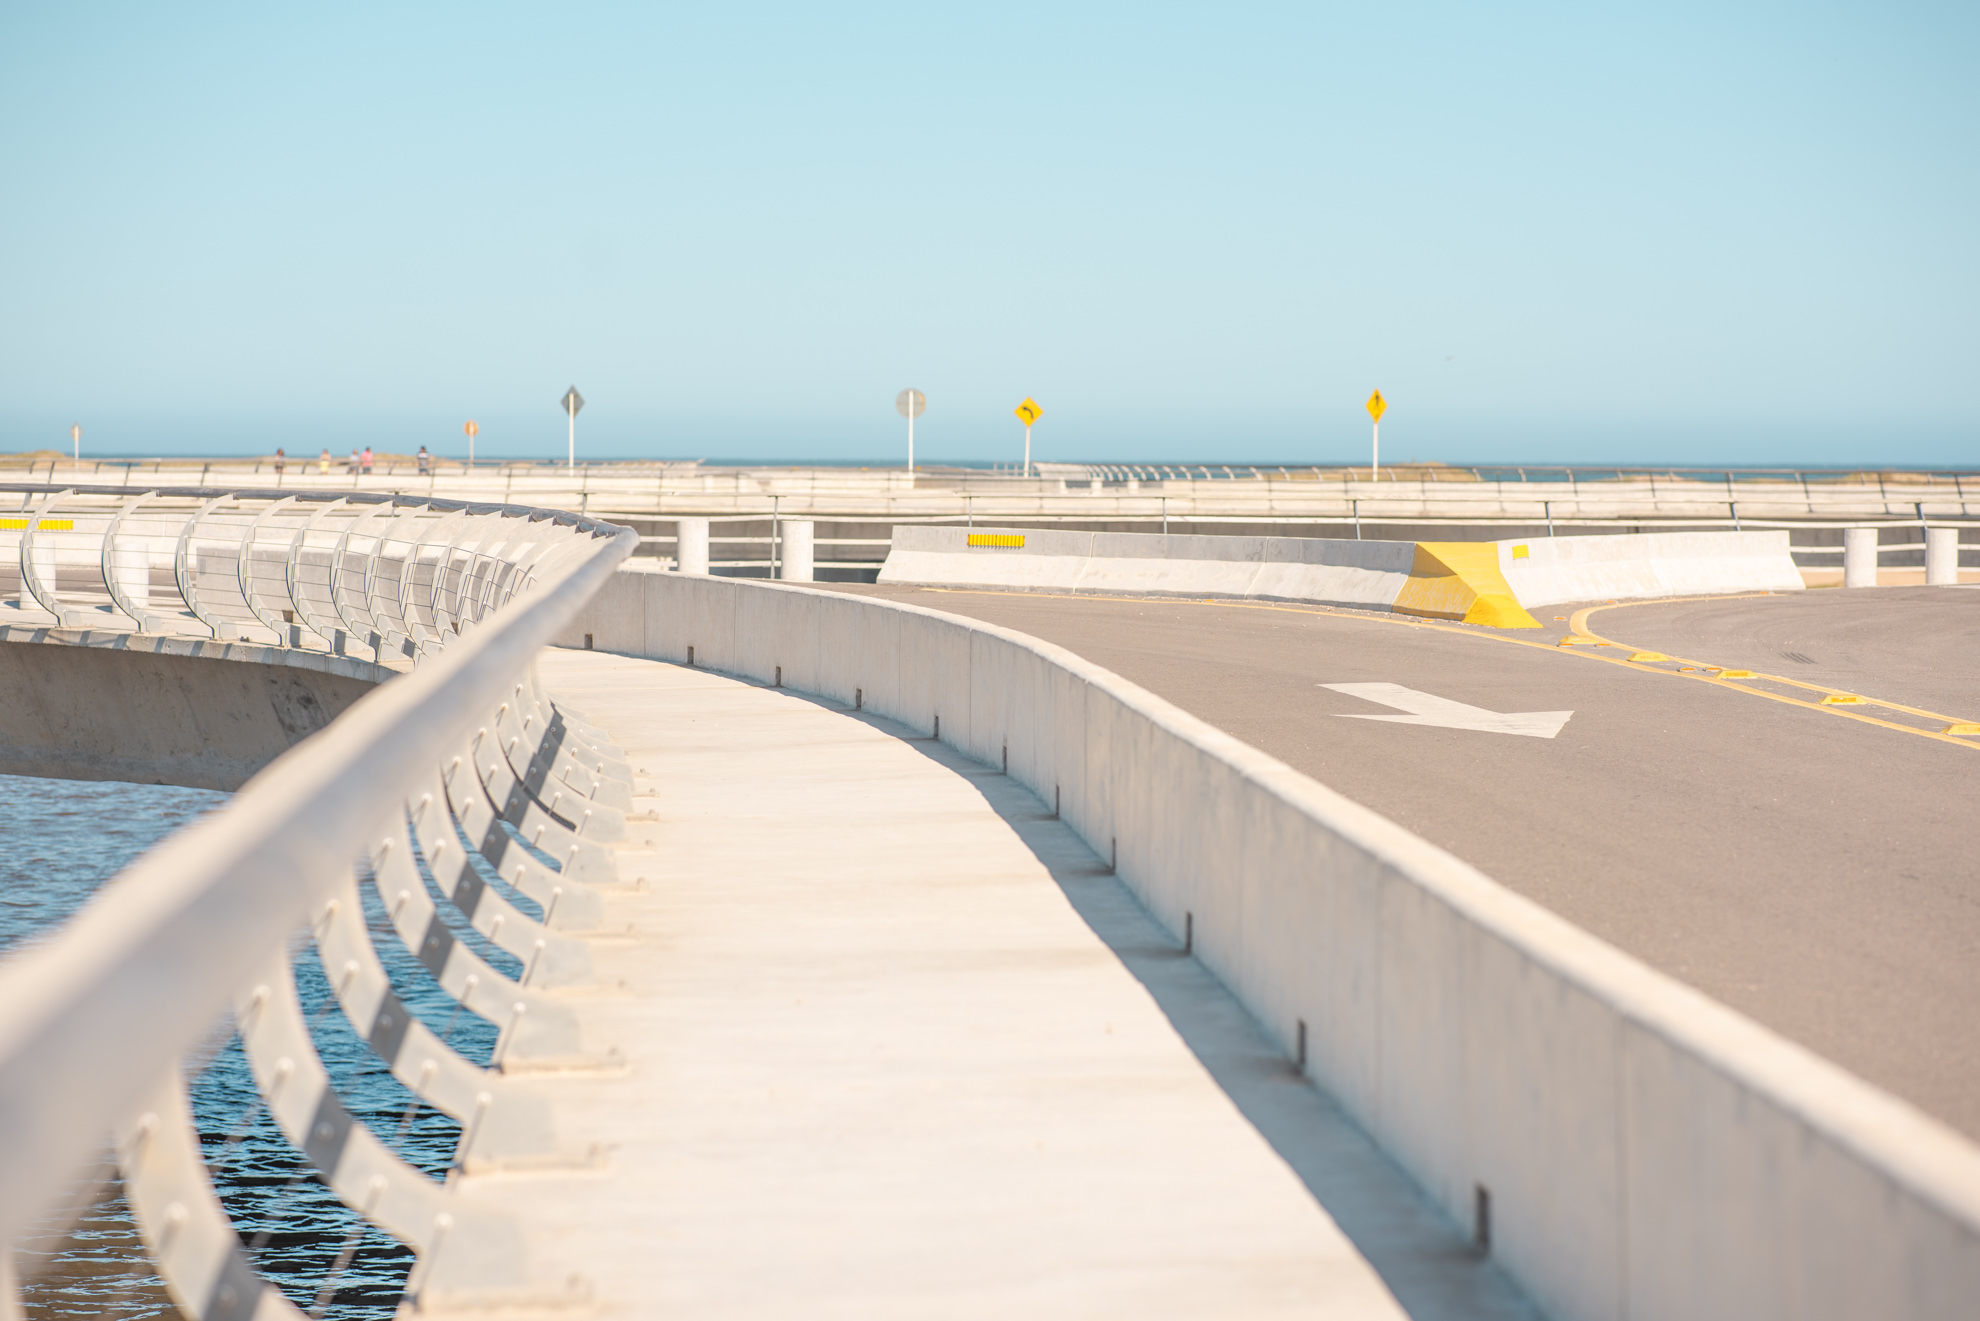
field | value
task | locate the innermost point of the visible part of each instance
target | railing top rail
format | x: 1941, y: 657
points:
x: 440, y: 504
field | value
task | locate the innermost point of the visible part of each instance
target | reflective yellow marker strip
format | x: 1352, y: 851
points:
x: 1006, y: 540
x: 45, y: 525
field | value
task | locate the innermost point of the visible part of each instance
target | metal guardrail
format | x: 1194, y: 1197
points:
x: 469, y: 799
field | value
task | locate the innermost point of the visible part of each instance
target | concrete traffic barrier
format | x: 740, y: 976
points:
x: 794, y: 550
x: 1941, y: 556
x: 1479, y: 582
x: 1638, y: 1150
x: 1859, y: 557
x: 1551, y: 570
x: 691, y: 545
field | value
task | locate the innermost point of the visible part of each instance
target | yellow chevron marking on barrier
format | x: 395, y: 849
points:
x: 1461, y: 580
x: 45, y: 525
x: 1005, y: 539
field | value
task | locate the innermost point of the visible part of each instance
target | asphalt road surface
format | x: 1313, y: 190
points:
x: 1813, y: 863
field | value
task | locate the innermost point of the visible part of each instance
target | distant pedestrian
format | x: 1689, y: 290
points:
x: 323, y: 462
x: 281, y: 460
x: 425, y: 461
x: 351, y: 464
x: 366, y: 461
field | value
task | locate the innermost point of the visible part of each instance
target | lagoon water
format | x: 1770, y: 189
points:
x: 61, y: 843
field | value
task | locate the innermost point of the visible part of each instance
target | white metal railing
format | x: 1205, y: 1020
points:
x: 1422, y: 492
x: 461, y: 747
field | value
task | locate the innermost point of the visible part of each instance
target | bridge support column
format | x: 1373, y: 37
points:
x: 1859, y: 557
x: 796, y: 551
x: 691, y: 546
x: 1941, y: 556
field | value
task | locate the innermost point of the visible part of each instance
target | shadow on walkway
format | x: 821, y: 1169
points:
x: 1428, y: 1264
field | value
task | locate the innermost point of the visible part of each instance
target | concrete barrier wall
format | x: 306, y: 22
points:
x: 1378, y: 574
x: 156, y: 710
x: 1273, y: 568
x: 1548, y: 570
x: 1646, y: 1153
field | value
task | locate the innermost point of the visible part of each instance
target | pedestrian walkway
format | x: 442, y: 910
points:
x: 896, y: 1045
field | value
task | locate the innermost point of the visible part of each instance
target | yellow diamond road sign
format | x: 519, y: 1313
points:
x: 1029, y: 411
x: 1377, y: 405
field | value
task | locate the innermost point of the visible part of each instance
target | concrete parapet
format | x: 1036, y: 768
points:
x: 1628, y: 1147
x: 157, y: 710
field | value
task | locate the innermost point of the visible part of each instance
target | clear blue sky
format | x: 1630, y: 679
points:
x: 1671, y: 233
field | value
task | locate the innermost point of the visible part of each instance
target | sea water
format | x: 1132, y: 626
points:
x: 61, y: 844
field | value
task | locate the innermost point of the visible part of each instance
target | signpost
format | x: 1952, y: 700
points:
x: 573, y: 401
x: 75, y: 435
x: 1028, y: 412
x: 472, y: 428
x: 910, y: 404
x: 1377, y: 406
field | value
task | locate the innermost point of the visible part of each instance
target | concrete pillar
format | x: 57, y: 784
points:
x: 1941, y: 556
x: 691, y: 550
x: 796, y: 551
x: 1859, y: 557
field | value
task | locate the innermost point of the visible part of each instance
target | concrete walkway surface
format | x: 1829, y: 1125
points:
x: 898, y: 1046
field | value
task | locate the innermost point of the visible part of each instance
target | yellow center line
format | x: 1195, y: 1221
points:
x: 1576, y: 628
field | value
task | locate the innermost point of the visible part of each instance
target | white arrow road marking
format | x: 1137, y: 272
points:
x: 1442, y: 711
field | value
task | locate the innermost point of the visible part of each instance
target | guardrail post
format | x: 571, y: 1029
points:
x: 796, y: 559
x: 1941, y: 556
x: 691, y: 545
x: 1859, y: 557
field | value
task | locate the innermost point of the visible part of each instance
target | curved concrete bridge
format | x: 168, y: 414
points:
x: 871, y: 960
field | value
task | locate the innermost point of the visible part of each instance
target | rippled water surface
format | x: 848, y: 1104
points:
x: 61, y: 841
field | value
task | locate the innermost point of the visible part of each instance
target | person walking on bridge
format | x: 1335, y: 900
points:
x: 425, y: 462
x: 365, y: 462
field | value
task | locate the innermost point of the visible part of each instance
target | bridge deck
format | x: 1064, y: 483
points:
x: 897, y: 1045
